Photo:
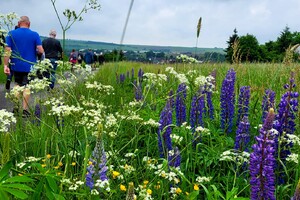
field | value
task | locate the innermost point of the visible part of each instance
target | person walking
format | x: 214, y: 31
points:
x: 73, y: 59
x: 22, y: 45
x: 89, y: 57
x: 53, y: 52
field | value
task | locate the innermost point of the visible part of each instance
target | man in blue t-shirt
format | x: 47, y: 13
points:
x: 23, y: 44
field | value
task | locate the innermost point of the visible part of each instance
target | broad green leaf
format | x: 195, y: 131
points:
x: 17, y: 193
x: 4, y: 171
x: 3, y: 195
x: 17, y: 186
x: 19, y: 179
x: 193, y: 195
x: 52, y: 183
x: 58, y: 197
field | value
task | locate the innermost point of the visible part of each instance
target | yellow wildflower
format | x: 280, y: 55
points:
x: 73, y: 163
x: 90, y: 163
x: 122, y: 187
x: 178, y: 190
x: 196, y: 187
x: 48, y: 156
x: 146, y: 182
x: 44, y: 165
x: 115, y: 174
x: 56, y: 167
x: 149, y: 191
x: 60, y: 163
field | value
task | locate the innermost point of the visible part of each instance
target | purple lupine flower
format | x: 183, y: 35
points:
x: 171, y: 99
x: 140, y: 75
x: 262, y: 162
x: 180, y: 106
x: 175, y: 159
x: 37, y: 114
x: 209, y: 104
x: 285, y: 124
x: 165, y: 130
x: 227, y: 101
x: 267, y: 103
x: 297, y: 192
x: 197, y: 110
x: 138, y: 90
x: 243, y: 103
x: 242, y: 138
x: 122, y: 78
x: 97, y: 168
x: 127, y: 74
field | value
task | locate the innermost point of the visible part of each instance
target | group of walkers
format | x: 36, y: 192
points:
x: 23, y: 47
x: 89, y: 58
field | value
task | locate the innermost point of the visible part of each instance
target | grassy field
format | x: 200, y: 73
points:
x: 117, y: 134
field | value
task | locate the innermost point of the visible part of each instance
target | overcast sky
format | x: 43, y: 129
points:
x: 165, y: 22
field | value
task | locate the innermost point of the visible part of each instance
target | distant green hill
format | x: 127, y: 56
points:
x: 81, y: 44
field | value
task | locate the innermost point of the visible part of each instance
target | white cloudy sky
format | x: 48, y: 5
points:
x: 165, y: 22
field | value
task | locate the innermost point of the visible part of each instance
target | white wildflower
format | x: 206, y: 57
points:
x: 6, y: 119
x: 293, y: 158
x: 202, y: 179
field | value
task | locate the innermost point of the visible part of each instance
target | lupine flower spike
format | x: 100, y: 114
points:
x: 262, y: 162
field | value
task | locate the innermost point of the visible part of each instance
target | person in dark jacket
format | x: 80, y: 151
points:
x: 53, y: 52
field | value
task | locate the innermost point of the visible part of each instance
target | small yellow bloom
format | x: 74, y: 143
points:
x: 122, y: 187
x: 73, y: 163
x: 149, y: 191
x: 58, y: 173
x: 44, y: 160
x: 115, y: 174
x: 60, y: 163
x: 146, y: 182
x: 90, y: 163
x: 56, y: 167
x: 187, y: 194
x: 44, y: 165
x: 20, y: 174
x: 178, y: 191
x: 157, y: 187
x: 48, y: 156
x: 196, y: 187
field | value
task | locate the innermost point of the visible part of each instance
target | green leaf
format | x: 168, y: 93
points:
x: 52, y: 183
x: 19, y: 179
x: 17, y: 193
x: 58, y: 197
x: 193, y: 195
x: 3, y: 195
x: 4, y: 171
x: 18, y: 186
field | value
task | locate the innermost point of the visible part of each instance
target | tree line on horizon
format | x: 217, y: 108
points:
x: 248, y: 49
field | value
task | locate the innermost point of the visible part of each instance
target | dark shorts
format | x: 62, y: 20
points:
x: 21, y: 78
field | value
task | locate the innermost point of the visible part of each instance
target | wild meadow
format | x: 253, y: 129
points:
x: 144, y: 131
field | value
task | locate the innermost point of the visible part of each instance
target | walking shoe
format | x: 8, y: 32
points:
x: 26, y: 114
x: 7, y: 85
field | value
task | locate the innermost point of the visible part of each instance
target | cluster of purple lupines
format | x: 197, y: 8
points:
x: 138, y: 90
x: 122, y: 78
x: 209, y: 108
x: 262, y: 162
x: 285, y: 123
x: 242, y: 138
x: 180, y: 106
x: 197, y: 110
x: 171, y: 99
x: 97, y: 168
x: 243, y: 103
x: 267, y: 103
x: 227, y: 101
x: 165, y: 130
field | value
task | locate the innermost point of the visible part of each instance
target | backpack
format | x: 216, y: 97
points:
x: 79, y: 57
x: 74, y: 56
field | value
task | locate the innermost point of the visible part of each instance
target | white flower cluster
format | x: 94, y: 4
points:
x: 152, y: 79
x: 176, y: 138
x: 128, y: 169
x: 64, y: 82
x: 203, y: 179
x: 73, y: 185
x: 102, y: 184
x: 207, y: 81
x: 171, y: 176
x: 135, y: 103
x: 60, y: 110
x: 143, y: 194
x: 38, y: 84
x: 293, y: 158
x: 152, y: 123
x: 203, y: 131
x: 291, y: 138
x: 6, y: 119
x: 106, y: 89
x: 186, y: 59
x: 238, y: 157
x: 8, y: 20
x: 181, y: 77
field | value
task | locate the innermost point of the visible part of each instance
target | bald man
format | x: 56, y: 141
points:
x: 23, y: 44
